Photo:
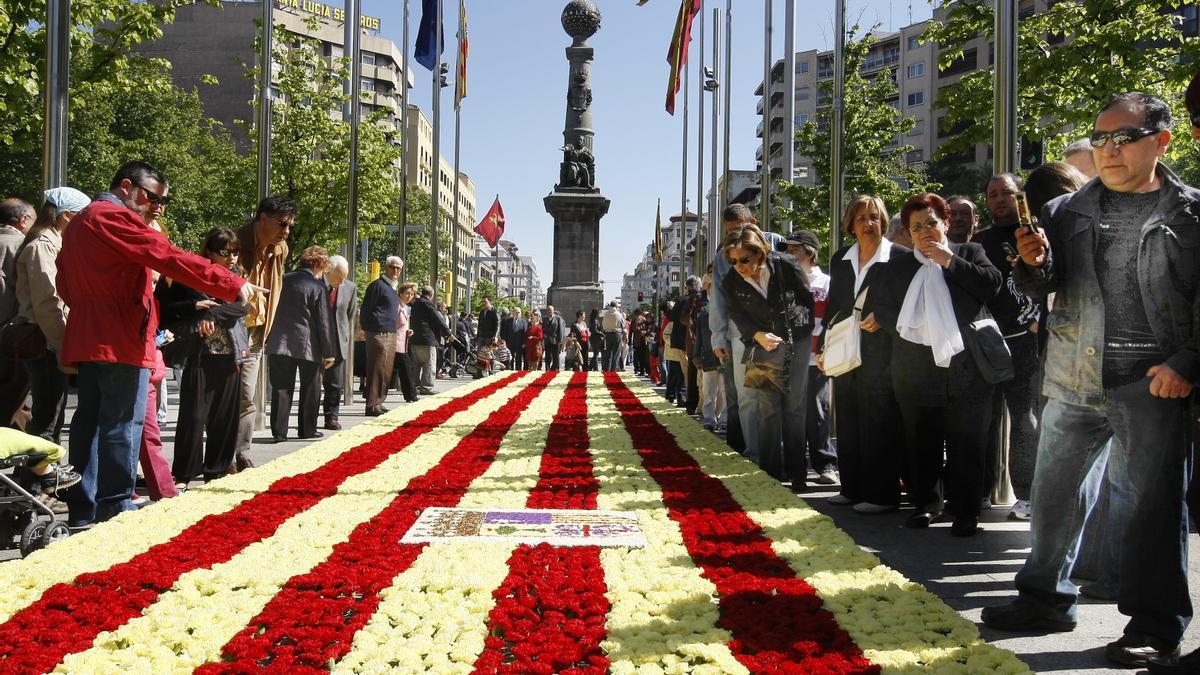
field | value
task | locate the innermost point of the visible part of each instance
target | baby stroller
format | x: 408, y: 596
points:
x: 21, y: 513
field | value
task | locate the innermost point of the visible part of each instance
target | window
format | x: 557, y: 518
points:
x: 914, y: 42
x: 803, y: 93
x: 916, y: 70
x: 368, y: 84
x: 918, y: 128
x: 915, y: 156
x: 802, y: 119
x: 965, y: 64
x: 803, y: 68
x: 916, y: 98
x: 368, y: 59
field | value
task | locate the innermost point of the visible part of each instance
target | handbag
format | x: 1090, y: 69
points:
x: 769, y: 369
x: 988, y: 348
x: 22, y: 341
x: 843, y: 341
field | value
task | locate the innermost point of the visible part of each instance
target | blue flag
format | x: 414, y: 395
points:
x: 426, y: 39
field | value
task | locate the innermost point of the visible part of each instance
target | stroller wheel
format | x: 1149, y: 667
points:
x: 32, y: 535
x: 57, y: 530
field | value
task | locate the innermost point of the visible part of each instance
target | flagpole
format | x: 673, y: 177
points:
x: 764, y: 195
x: 698, y: 251
x: 353, y: 109
x: 715, y: 203
x: 728, y: 100
x: 56, y: 93
x: 404, y: 149
x: 789, y: 98
x: 687, y: 78
x: 266, y: 58
x: 435, y: 217
x: 836, y: 131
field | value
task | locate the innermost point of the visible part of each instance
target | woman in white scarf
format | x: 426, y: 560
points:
x: 944, y: 401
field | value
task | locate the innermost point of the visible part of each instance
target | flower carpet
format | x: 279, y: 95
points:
x: 298, y: 566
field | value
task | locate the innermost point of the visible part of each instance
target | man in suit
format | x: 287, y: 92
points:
x: 555, y: 329
x: 343, y: 304
x: 513, y: 333
x: 489, y: 324
x: 300, y: 340
x: 380, y: 309
x: 428, y: 328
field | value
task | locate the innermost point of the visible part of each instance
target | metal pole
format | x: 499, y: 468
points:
x: 837, y: 132
x: 450, y: 292
x: 728, y: 101
x: 1004, y: 128
x: 764, y: 195
x: 789, y: 97
x: 353, y: 112
x: 435, y: 216
x: 266, y: 61
x: 714, y: 203
x: 687, y: 80
x: 57, y: 92
x: 699, y: 251
x: 405, y: 150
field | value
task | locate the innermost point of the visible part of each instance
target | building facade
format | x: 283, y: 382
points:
x: 647, y: 275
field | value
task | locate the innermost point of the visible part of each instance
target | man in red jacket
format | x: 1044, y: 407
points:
x: 104, y: 277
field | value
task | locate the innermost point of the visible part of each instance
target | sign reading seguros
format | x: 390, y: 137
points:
x: 327, y: 12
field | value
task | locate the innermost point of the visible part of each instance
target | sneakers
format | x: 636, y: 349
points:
x: 827, y: 477
x: 1135, y: 651
x: 1021, y: 510
x: 840, y: 500
x: 1019, y: 617
x: 870, y: 509
x: 58, y: 478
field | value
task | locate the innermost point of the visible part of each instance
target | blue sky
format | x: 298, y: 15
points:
x: 513, y: 116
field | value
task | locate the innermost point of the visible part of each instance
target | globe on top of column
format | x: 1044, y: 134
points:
x: 581, y: 19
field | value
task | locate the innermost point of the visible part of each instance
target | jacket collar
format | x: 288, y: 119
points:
x: 1175, y: 197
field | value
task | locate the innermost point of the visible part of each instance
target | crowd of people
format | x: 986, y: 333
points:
x: 1069, y: 320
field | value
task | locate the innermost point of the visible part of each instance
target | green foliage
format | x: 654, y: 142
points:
x: 1104, y: 47
x: 310, y: 149
x: 871, y: 163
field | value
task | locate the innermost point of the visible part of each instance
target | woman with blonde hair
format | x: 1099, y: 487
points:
x: 868, y: 420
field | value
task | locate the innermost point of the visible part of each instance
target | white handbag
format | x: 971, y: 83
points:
x: 843, y: 340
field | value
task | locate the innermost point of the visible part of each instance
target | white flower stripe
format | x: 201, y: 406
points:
x: 663, y: 613
x: 189, y: 624
x: 898, y: 623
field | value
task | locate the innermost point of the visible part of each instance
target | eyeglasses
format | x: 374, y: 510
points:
x: 1120, y: 137
x: 745, y: 260
x: 918, y: 227
x: 152, y: 197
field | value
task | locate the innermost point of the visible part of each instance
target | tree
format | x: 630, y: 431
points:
x: 418, y: 259
x: 310, y: 149
x: 1071, y: 59
x: 874, y: 162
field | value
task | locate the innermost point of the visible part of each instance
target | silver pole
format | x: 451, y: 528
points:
x: 454, y: 237
x: 57, y: 93
x: 403, y: 252
x: 1004, y: 159
x: 789, y: 97
x: 728, y: 83
x: 266, y: 61
x: 714, y: 203
x: 764, y: 197
x: 435, y: 227
x: 837, y: 138
x: 698, y: 251
x: 353, y: 112
x: 687, y: 80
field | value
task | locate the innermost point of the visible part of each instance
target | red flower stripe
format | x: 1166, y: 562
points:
x: 311, y: 622
x: 775, y: 618
x: 69, y: 616
x: 550, y: 610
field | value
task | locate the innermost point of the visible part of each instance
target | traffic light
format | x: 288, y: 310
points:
x: 443, y: 69
x: 1031, y: 154
x: 641, y: 296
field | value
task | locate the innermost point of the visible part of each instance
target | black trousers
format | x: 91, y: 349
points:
x: 676, y: 387
x: 822, y: 454
x: 870, y: 445
x: 48, y: 385
x: 1021, y: 396
x: 283, y: 386
x: 551, y: 355
x: 209, y: 396
x: 404, y: 379
x: 518, y: 357
x: 331, y: 382
x: 692, y: 400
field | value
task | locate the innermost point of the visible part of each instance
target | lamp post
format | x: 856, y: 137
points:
x: 56, y: 93
x: 713, y: 86
x: 404, y: 149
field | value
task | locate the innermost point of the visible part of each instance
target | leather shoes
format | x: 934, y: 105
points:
x: 315, y: 434
x: 964, y: 526
x: 919, y: 520
x: 1135, y: 651
x: 1019, y: 617
x: 332, y: 424
x: 1176, y: 665
x: 278, y: 439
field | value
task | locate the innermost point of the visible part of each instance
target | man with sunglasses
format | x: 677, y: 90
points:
x: 1123, y: 257
x: 104, y: 275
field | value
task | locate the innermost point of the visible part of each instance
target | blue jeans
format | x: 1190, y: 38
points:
x: 612, y: 352
x: 747, y: 399
x: 106, y: 434
x: 1150, y: 460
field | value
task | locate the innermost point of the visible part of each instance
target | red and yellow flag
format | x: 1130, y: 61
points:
x: 678, y: 54
x: 460, y: 78
x: 491, y: 228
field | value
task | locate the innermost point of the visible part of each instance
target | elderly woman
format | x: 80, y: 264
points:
x: 301, y: 339
x: 38, y: 304
x: 931, y: 294
x: 869, y: 448
x: 771, y: 303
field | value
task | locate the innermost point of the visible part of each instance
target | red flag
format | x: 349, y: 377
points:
x: 460, y: 78
x: 491, y: 228
x: 678, y: 54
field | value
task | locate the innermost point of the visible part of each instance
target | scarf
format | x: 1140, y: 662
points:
x: 927, y: 315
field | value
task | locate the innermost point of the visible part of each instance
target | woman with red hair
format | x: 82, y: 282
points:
x: 931, y: 294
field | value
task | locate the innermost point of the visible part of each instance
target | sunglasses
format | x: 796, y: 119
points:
x: 153, y: 198
x: 225, y: 252
x: 1120, y: 137
x: 746, y: 260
